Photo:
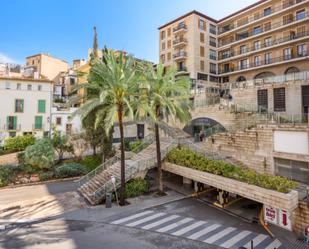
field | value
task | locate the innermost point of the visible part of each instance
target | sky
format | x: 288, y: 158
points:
x: 64, y: 28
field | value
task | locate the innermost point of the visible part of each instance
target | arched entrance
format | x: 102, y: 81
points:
x: 207, y: 126
x: 291, y: 70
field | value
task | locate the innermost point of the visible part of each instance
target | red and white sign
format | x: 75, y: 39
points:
x: 271, y: 214
x: 284, y: 219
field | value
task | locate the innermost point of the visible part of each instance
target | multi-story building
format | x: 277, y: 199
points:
x: 25, y: 106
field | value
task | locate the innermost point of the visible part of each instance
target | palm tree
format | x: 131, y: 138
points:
x: 168, y: 97
x: 114, y: 80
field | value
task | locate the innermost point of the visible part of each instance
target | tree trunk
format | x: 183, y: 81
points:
x: 123, y: 181
x: 159, y: 161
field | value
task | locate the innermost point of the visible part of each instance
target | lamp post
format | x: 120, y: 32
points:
x: 114, y: 185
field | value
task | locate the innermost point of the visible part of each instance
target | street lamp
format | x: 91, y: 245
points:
x: 113, y: 178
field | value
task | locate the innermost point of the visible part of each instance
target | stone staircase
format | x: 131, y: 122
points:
x: 97, y: 183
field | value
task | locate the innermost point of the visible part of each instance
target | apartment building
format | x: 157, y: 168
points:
x: 25, y: 107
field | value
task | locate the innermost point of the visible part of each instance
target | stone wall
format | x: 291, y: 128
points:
x: 9, y: 159
x: 300, y: 217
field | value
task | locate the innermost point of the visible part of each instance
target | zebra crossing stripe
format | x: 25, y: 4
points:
x: 174, y: 225
x: 229, y: 243
x: 219, y: 235
x: 257, y: 240
x: 131, y: 217
x: 157, y: 223
x: 274, y: 244
x: 149, y: 218
x: 204, y: 231
x: 188, y: 228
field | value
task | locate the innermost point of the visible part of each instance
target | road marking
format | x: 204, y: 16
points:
x: 274, y: 244
x: 257, y: 240
x: 131, y: 217
x: 157, y: 223
x: 149, y: 218
x: 189, y: 228
x: 172, y: 226
x: 219, y: 235
x: 229, y: 243
x: 204, y: 231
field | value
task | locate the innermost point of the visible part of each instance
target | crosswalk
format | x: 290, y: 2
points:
x: 205, y: 231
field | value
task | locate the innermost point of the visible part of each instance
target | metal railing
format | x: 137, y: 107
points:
x: 180, y: 27
x: 180, y: 54
x: 179, y: 40
x: 263, y: 30
x: 258, y: 16
x: 11, y: 127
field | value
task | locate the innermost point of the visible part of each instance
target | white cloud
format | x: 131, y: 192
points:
x: 6, y: 59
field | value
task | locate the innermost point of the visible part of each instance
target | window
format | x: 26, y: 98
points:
x: 202, y: 37
x: 162, y: 58
x: 202, y: 76
x: 11, y: 122
x: 287, y: 19
x: 262, y: 97
x: 267, y: 26
x: 267, y: 11
x: 169, y: 44
x: 213, y: 79
x: 39, y: 87
x: 268, y: 58
x: 58, y: 121
x: 7, y: 85
x: 257, y: 45
x: 202, y: 65
x: 29, y: 87
x: 38, y: 122
x: 257, y: 30
x: 162, y: 35
x: 72, y: 81
x: 300, y: 15
x: 243, y: 64
x: 169, y: 56
x: 202, y: 25
x: 301, y: 31
x: 287, y: 53
x: 19, y: 105
x: 302, y: 50
x: 268, y: 41
x: 212, y: 68
x: 212, y: 29
x: 202, y: 51
x: 243, y: 49
x: 242, y: 35
x: 169, y: 32
x: 257, y: 61
x: 226, y: 54
x: 41, y: 106
x: 279, y: 99
x: 212, y: 41
x: 212, y: 54
x: 163, y: 45
x: 18, y: 86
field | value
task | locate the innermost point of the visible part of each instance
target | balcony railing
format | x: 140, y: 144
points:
x: 291, y: 37
x: 180, y: 55
x: 180, y: 27
x: 264, y: 62
x: 258, y: 16
x: 182, y: 69
x: 262, y: 30
x: 179, y: 41
x: 11, y: 127
x: 279, y: 79
x: 38, y: 127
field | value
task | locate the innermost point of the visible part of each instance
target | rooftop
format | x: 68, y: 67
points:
x: 40, y: 54
x: 25, y: 79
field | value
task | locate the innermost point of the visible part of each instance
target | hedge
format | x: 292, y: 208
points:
x: 19, y: 143
x: 136, y: 187
x: 91, y: 162
x: 187, y: 158
x: 70, y: 170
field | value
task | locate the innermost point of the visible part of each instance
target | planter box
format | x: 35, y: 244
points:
x: 288, y: 202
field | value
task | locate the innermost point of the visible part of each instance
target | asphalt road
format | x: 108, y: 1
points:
x: 16, y: 194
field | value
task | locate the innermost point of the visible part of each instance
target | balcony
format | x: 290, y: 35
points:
x: 181, y: 27
x: 261, y: 63
x: 11, y: 127
x: 180, y: 42
x: 262, y: 30
x: 180, y: 55
x: 263, y: 46
x: 259, y: 16
x: 38, y: 127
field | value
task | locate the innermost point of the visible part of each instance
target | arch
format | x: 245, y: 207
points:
x: 292, y: 70
x: 207, y: 125
x: 264, y: 75
x: 241, y: 78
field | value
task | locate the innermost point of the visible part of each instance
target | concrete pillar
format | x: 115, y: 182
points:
x: 186, y: 182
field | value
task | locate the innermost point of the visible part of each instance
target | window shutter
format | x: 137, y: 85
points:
x: 41, y: 106
x: 38, y: 122
x: 14, y: 123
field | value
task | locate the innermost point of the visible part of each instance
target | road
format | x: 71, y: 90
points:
x: 27, y: 193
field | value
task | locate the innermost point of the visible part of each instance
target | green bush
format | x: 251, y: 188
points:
x: 7, y: 174
x: 21, y: 157
x: 91, y: 162
x: 40, y: 155
x: 136, y: 187
x: 19, y: 143
x: 191, y: 159
x: 135, y: 144
x: 70, y: 170
x: 45, y: 176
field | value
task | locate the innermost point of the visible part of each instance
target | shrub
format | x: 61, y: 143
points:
x: 91, y: 162
x: 40, y: 155
x: 45, y: 176
x: 70, y: 170
x: 7, y: 174
x: 21, y: 157
x: 136, y: 187
x: 191, y: 159
x: 19, y: 143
